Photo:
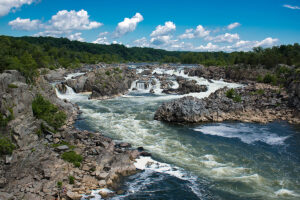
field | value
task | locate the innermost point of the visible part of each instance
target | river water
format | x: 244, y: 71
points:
x: 205, y: 161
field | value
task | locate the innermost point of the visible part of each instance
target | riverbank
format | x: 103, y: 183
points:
x: 49, y: 163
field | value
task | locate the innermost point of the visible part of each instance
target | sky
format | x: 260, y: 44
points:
x: 184, y: 25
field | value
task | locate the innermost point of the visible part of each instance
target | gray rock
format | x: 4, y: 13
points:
x: 62, y: 148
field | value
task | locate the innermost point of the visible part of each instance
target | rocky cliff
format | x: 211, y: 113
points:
x: 47, y: 162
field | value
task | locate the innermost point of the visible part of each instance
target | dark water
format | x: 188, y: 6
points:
x: 206, y: 161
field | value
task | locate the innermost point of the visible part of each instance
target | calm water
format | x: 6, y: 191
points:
x: 206, y: 161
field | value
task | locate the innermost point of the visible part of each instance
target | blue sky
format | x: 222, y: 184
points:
x: 197, y: 25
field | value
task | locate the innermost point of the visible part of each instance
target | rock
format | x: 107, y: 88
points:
x: 251, y: 105
x: 3, y: 182
x: 6, y: 196
x: 74, y: 195
x: 152, y: 91
x: 61, y: 87
x: 140, y: 148
x: 185, y: 87
x: 62, y: 148
x: 102, y: 183
x: 8, y: 159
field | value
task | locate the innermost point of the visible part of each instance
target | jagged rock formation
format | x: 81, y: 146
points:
x: 35, y: 169
x: 254, y: 103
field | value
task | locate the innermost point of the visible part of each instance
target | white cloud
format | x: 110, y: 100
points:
x: 76, y: 36
x: 50, y: 33
x: 103, y: 34
x: 208, y: 47
x: 64, y: 21
x: 142, y: 42
x: 199, y: 32
x: 227, y: 37
x: 101, y: 40
x: 25, y: 24
x: 292, y: 7
x: 267, y: 42
x: 160, y: 30
x: 128, y: 25
x: 233, y: 25
x: 7, y: 6
x: 161, y: 40
x: 71, y: 20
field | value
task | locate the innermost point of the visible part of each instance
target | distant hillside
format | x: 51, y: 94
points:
x: 27, y: 54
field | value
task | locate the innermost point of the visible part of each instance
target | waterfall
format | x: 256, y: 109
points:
x: 140, y: 85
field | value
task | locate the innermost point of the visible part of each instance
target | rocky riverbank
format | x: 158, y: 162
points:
x: 253, y: 103
x: 48, y: 163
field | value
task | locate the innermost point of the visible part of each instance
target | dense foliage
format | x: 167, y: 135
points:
x: 27, y: 54
x: 48, y: 112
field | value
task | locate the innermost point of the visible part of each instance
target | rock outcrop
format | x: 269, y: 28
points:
x: 186, y: 87
x: 255, y: 103
x: 35, y: 169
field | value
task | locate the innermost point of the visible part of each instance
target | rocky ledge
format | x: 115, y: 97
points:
x: 53, y: 163
x: 253, y: 103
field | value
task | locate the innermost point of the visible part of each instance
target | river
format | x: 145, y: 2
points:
x: 206, y: 161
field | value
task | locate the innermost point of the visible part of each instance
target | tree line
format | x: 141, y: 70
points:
x: 28, y: 54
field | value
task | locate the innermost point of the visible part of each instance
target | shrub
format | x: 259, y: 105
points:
x: 269, y: 78
x: 12, y: 86
x: 50, y: 113
x: 107, y: 73
x: 232, y: 94
x: 71, y: 180
x: 72, y: 157
x: 259, y: 79
x: 59, y: 184
x: 6, y: 146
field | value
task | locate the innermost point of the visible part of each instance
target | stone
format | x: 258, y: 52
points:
x: 74, y: 195
x: 62, y: 148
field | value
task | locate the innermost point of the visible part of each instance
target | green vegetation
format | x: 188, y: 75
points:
x: 63, y: 143
x: 269, y: 78
x: 50, y: 113
x: 71, y: 180
x: 6, y: 146
x: 12, y: 85
x: 232, y: 94
x: 258, y: 92
x: 28, y: 54
x: 4, y: 120
x: 59, y: 184
x: 72, y: 157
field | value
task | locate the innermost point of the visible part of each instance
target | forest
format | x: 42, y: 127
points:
x: 28, y: 54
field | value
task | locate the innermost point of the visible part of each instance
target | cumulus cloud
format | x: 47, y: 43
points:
x: 233, y: 25
x: 7, y: 6
x: 160, y: 30
x: 208, y: 47
x: 71, y: 20
x: 63, y: 24
x: 128, y: 25
x: 142, y: 42
x: 161, y: 40
x: 76, y: 36
x: 267, y: 42
x: 291, y: 7
x: 227, y: 37
x: 25, y: 24
x: 64, y: 21
x: 199, y: 32
x: 101, y: 40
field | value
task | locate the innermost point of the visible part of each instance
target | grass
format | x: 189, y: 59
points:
x: 6, y: 146
x: 43, y: 109
x: 71, y: 180
x: 12, y: 85
x: 72, y: 157
x: 63, y: 143
x: 4, y: 120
